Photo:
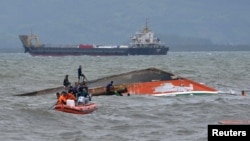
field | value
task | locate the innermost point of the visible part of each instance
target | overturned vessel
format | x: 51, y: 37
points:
x: 150, y: 81
x: 142, y: 43
x: 155, y: 82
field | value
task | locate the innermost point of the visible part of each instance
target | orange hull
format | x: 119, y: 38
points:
x: 161, y: 88
x: 169, y: 88
x: 81, y: 109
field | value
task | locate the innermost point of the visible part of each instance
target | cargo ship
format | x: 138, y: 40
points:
x: 142, y: 43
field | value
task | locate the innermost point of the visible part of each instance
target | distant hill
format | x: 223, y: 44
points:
x: 180, y: 43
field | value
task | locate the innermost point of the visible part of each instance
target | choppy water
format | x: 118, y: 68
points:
x: 134, y: 118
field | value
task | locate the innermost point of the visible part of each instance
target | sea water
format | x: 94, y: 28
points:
x: 121, y: 118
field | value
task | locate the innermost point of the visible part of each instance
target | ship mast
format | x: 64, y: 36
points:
x: 146, y: 30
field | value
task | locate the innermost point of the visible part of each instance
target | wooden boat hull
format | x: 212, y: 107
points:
x: 81, y: 109
x: 234, y: 122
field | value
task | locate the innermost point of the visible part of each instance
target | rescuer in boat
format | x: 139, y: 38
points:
x: 70, y: 90
x: 80, y: 74
x: 83, y: 96
x: 66, y: 82
x: 58, y: 95
x: 84, y: 86
x: 75, y: 89
x: 64, y: 96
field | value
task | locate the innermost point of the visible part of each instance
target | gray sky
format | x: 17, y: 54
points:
x: 113, y: 21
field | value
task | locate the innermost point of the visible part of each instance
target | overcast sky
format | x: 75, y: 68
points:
x: 113, y: 21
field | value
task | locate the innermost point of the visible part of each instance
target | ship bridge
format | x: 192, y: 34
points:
x: 145, y: 38
x: 27, y: 40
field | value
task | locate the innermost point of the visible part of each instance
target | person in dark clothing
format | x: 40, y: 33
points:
x: 76, y: 88
x: 110, y: 88
x: 70, y: 90
x: 66, y: 82
x: 83, y: 96
x: 80, y: 74
x: 58, y: 95
x: 84, y: 86
x: 83, y: 92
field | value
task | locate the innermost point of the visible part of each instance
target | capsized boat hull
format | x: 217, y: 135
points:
x: 170, y: 88
x: 150, y: 81
x: 80, y: 109
x: 163, y: 88
x: 154, y: 82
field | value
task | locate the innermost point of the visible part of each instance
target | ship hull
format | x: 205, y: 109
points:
x: 57, y: 51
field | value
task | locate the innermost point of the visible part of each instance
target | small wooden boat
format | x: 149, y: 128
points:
x: 234, y: 122
x: 79, y: 109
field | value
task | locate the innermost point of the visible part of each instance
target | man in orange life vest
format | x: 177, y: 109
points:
x: 64, y: 96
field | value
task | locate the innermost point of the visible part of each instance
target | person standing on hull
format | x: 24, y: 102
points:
x: 80, y: 74
x: 66, y: 82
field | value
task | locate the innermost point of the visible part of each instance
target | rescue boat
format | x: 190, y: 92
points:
x: 155, y: 82
x: 76, y: 109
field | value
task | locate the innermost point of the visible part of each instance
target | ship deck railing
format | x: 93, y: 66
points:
x: 61, y: 46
